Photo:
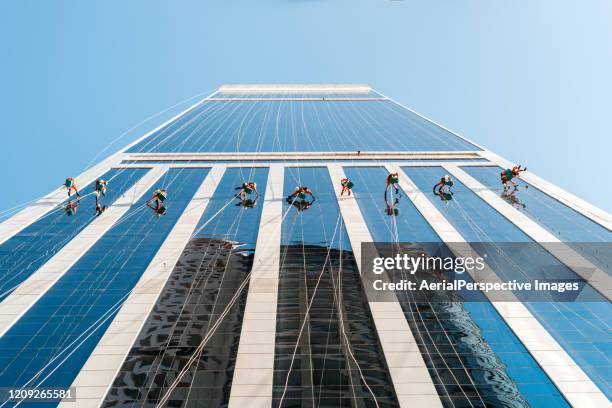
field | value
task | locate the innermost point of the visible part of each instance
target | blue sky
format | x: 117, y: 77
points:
x: 530, y: 80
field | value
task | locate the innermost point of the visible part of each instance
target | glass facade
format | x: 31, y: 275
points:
x: 300, y: 126
x: 29, y: 249
x: 51, y: 342
x: 563, y: 222
x: 472, y: 355
x: 326, y: 349
x: 581, y: 328
x: 211, y: 268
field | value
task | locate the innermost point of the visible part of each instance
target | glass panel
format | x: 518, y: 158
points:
x: 246, y: 126
x: 51, y: 342
x: 582, y: 328
x: 338, y: 347
x: 562, y: 221
x: 471, y: 353
x: 28, y: 250
x: 210, y: 271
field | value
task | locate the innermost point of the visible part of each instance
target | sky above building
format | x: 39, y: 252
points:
x: 529, y: 80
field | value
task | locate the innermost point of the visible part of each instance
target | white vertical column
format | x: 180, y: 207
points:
x: 97, y: 375
x: 411, y: 380
x: 587, y: 209
x: 597, y: 278
x: 253, y: 375
x: 563, y: 371
x: 33, y: 288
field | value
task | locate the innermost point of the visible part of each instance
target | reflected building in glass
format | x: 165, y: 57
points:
x: 226, y: 268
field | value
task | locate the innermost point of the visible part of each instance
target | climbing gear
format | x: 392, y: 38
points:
x: 159, y: 195
x: 101, y: 186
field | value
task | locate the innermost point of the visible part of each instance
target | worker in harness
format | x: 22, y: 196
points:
x: 444, y: 185
x: 392, y: 181
x: 508, y: 174
x: 300, y: 193
x: 159, y: 196
x: 347, y: 185
x: 247, y: 195
x: 247, y: 188
x: 299, y: 198
x: 100, y: 188
x: 70, y: 184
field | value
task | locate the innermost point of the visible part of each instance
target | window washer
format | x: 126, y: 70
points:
x: 159, y: 196
x: 299, y: 198
x: 72, y: 207
x: 392, y: 180
x: 347, y: 185
x: 70, y: 184
x: 100, y: 188
x: 508, y: 174
x: 300, y: 193
x: 444, y: 185
x: 247, y: 195
x: 247, y: 188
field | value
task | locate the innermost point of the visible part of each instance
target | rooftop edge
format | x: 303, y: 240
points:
x: 277, y: 88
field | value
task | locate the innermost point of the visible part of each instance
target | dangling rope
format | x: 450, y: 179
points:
x: 198, y: 279
x: 312, y: 297
x: 63, y: 347
x: 91, y: 329
x: 125, y: 133
x: 339, y: 302
x: 209, y: 334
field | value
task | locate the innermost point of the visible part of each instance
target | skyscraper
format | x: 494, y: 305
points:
x: 214, y: 298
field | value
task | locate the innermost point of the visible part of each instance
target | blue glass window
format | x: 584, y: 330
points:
x: 211, y: 269
x: 562, y: 221
x: 52, y: 341
x: 488, y: 350
x: 315, y: 245
x: 291, y: 126
x: 28, y: 250
x: 581, y: 328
